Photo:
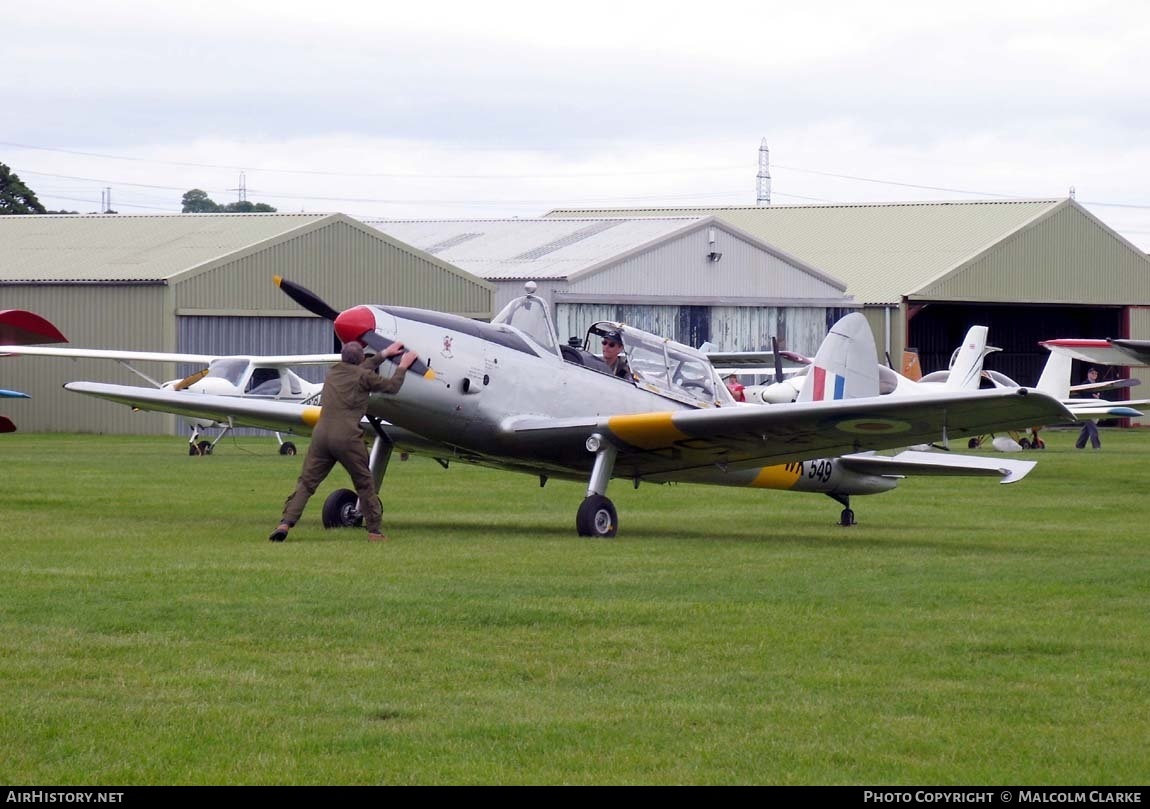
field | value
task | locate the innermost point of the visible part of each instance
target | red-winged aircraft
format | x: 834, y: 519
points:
x: 20, y: 327
x: 508, y: 394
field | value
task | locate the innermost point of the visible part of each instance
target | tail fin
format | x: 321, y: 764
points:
x: 846, y: 366
x: 1055, y: 378
x: 966, y: 364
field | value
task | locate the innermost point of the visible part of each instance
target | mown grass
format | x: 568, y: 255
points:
x: 963, y: 632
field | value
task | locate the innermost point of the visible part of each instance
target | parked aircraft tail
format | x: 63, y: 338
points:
x: 1055, y: 378
x: 845, y: 366
x: 966, y: 364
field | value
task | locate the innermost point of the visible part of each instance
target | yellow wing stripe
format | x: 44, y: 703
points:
x: 646, y: 430
x: 777, y: 477
x: 310, y: 416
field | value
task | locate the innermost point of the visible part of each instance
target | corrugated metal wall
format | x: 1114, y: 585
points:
x: 344, y: 263
x: 90, y: 316
x: 1066, y: 257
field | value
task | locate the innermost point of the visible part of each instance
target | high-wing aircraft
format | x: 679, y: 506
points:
x: 1054, y: 381
x: 20, y: 327
x: 508, y: 394
x: 268, y: 378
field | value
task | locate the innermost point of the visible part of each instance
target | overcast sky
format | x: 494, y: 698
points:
x: 437, y: 109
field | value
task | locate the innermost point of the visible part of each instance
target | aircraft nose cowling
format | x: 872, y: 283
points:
x: 352, y: 323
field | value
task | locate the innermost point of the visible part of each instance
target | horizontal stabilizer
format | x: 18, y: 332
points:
x: 913, y: 462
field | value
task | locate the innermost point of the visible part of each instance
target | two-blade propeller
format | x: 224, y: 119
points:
x: 365, y: 333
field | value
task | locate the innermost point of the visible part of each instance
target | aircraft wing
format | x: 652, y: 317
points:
x: 913, y: 462
x: 1102, y: 409
x: 1103, y: 352
x: 268, y: 414
x: 20, y: 327
x: 161, y: 356
x: 744, y: 437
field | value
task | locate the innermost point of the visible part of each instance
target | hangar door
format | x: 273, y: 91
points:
x: 936, y: 329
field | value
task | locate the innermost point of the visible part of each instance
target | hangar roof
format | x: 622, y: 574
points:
x: 552, y: 249
x: 130, y: 248
x: 885, y: 251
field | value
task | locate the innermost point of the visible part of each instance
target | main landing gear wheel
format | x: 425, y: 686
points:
x: 596, y: 517
x: 847, y: 518
x: 339, y: 510
x: 287, y: 448
x: 202, y: 448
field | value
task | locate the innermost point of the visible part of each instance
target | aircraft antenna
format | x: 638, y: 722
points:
x: 764, y: 176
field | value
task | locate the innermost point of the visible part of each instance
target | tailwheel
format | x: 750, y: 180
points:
x: 287, y: 448
x: 596, y: 517
x: 339, y: 510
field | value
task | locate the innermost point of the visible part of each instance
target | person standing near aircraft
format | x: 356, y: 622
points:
x: 1089, y: 427
x: 612, y: 355
x: 338, y: 435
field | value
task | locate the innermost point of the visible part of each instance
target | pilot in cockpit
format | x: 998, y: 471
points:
x: 613, y: 355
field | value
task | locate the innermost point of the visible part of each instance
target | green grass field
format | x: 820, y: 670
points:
x: 963, y: 633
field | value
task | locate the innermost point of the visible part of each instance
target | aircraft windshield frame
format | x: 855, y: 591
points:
x: 231, y: 369
x: 666, y: 367
x: 529, y: 316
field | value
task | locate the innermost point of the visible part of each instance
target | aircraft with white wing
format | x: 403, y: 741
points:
x: 261, y: 378
x: 963, y: 374
x: 507, y: 394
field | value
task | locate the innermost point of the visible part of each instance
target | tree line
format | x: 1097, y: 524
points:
x: 18, y: 198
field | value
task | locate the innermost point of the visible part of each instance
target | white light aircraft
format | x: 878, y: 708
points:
x: 508, y: 394
x: 264, y: 378
x: 963, y: 374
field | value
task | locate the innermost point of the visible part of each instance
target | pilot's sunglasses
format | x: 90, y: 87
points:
x: 609, y: 343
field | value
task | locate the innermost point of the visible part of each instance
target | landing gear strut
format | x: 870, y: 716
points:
x: 847, y: 517
x: 596, y: 516
x: 341, y: 508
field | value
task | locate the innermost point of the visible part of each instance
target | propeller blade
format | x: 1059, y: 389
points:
x: 778, y: 359
x: 377, y: 341
x: 306, y: 298
x: 316, y: 305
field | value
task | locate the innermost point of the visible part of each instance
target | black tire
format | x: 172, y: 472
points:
x: 847, y: 518
x: 1024, y: 443
x: 974, y: 443
x: 192, y: 451
x: 287, y: 448
x: 596, y: 517
x: 205, y: 447
x: 339, y: 510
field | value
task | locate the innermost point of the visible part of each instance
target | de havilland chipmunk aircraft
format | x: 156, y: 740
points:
x: 508, y: 394
x: 237, y: 375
